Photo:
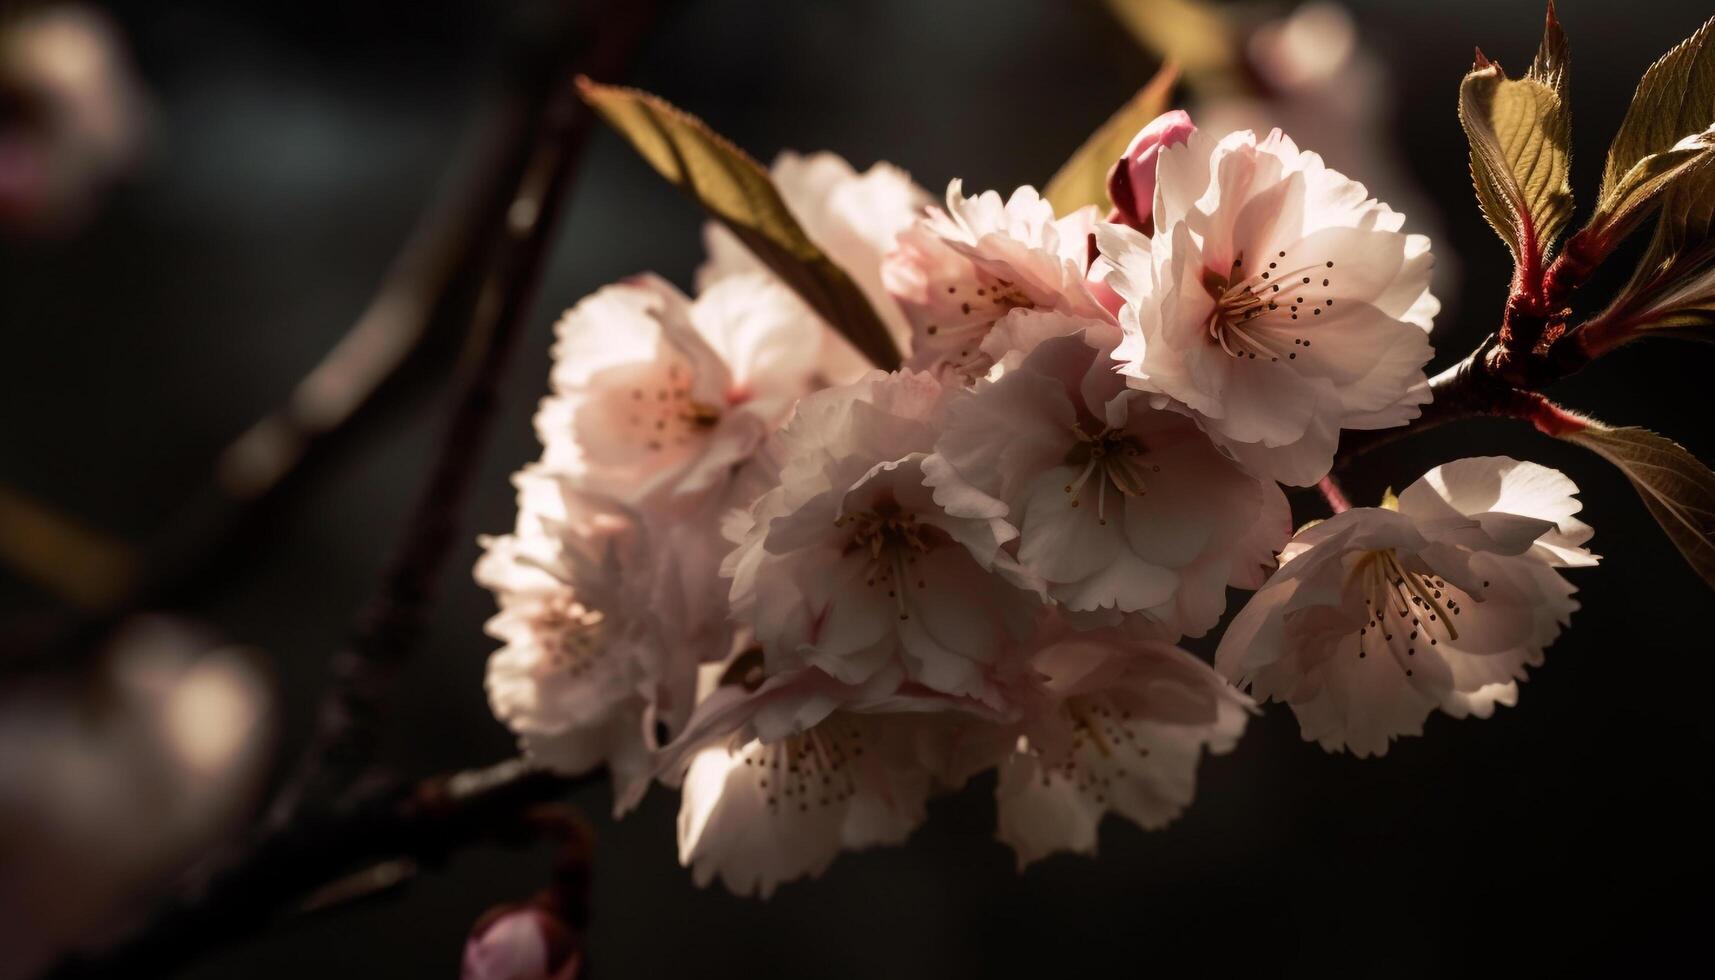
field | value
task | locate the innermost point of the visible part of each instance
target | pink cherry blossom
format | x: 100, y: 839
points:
x: 658, y: 399
x: 1379, y: 616
x: 1276, y: 302
x: 1119, y: 506
x: 781, y: 773
x: 1116, y: 723
x: 849, y: 564
x: 958, y: 271
x: 603, y: 626
x: 854, y: 219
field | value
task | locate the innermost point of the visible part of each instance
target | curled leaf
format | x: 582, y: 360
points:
x: 1672, y: 293
x: 1636, y: 192
x: 1520, y: 135
x: 736, y: 191
x: 1678, y: 490
x: 1083, y: 179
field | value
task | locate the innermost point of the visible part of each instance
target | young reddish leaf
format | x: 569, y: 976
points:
x: 1520, y: 133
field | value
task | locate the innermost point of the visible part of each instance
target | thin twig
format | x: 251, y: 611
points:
x: 1334, y: 494
x: 1490, y: 381
x: 393, y: 623
x: 409, y: 330
x: 313, y: 831
x: 422, y: 823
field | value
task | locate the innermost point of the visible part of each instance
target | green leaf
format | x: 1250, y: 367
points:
x: 1636, y: 193
x: 1193, y: 34
x: 737, y: 192
x: 1083, y: 179
x: 1667, y: 135
x: 1672, y: 292
x: 1684, y: 234
x: 1520, y: 134
x: 1692, y: 321
x: 1675, y: 99
x: 1678, y: 489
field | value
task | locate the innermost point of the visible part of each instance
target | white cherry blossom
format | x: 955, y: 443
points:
x: 781, y: 773
x: 849, y: 565
x: 1276, y: 302
x: 1379, y: 616
x: 957, y: 271
x: 604, y: 626
x: 657, y: 399
x: 854, y: 219
x: 1118, y: 725
x: 1119, y: 506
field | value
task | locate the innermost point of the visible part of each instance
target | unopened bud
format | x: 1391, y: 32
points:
x: 521, y: 942
x: 1131, y: 180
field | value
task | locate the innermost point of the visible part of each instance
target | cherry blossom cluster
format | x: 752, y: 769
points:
x: 811, y: 594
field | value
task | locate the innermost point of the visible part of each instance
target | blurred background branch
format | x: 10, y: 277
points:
x: 421, y: 823
x: 316, y: 827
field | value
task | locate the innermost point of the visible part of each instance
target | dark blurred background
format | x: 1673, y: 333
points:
x: 295, y: 143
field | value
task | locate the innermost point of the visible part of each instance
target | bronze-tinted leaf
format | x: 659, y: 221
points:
x: 1191, y: 33
x: 1673, y: 289
x: 736, y: 191
x: 1678, y: 489
x: 1083, y: 179
x: 1675, y: 99
x: 1520, y: 134
x: 1625, y: 205
x: 1691, y: 320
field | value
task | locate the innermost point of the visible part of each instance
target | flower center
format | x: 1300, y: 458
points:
x: 811, y: 768
x: 573, y: 635
x: 1111, y: 456
x: 981, y: 306
x: 666, y: 415
x: 1407, y: 609
x: 1105, y: 745
x: 1249, y: 310
x: 891, y: 541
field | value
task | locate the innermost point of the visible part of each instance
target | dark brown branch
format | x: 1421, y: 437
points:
x: 424, y: 823
x: 391, y: 626
x: 1491, y: 381
x: 407, y: 336
x: 314, y: 832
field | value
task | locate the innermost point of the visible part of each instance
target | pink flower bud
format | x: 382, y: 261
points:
x: 521, y: 943
x: 1131, y: 181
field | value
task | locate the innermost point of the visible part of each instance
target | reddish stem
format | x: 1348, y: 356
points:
x: 1336, y: 497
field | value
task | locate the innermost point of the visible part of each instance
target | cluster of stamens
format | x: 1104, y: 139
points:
x: 668, y: 415
x: 1100, y: 724
x: 573, y: 636
x: 892, y: 542
x: 1406, y: 608
x: 989, y: 302
x: 1241, y: 301
x: 1111, y: 456
x: 811, y: 768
